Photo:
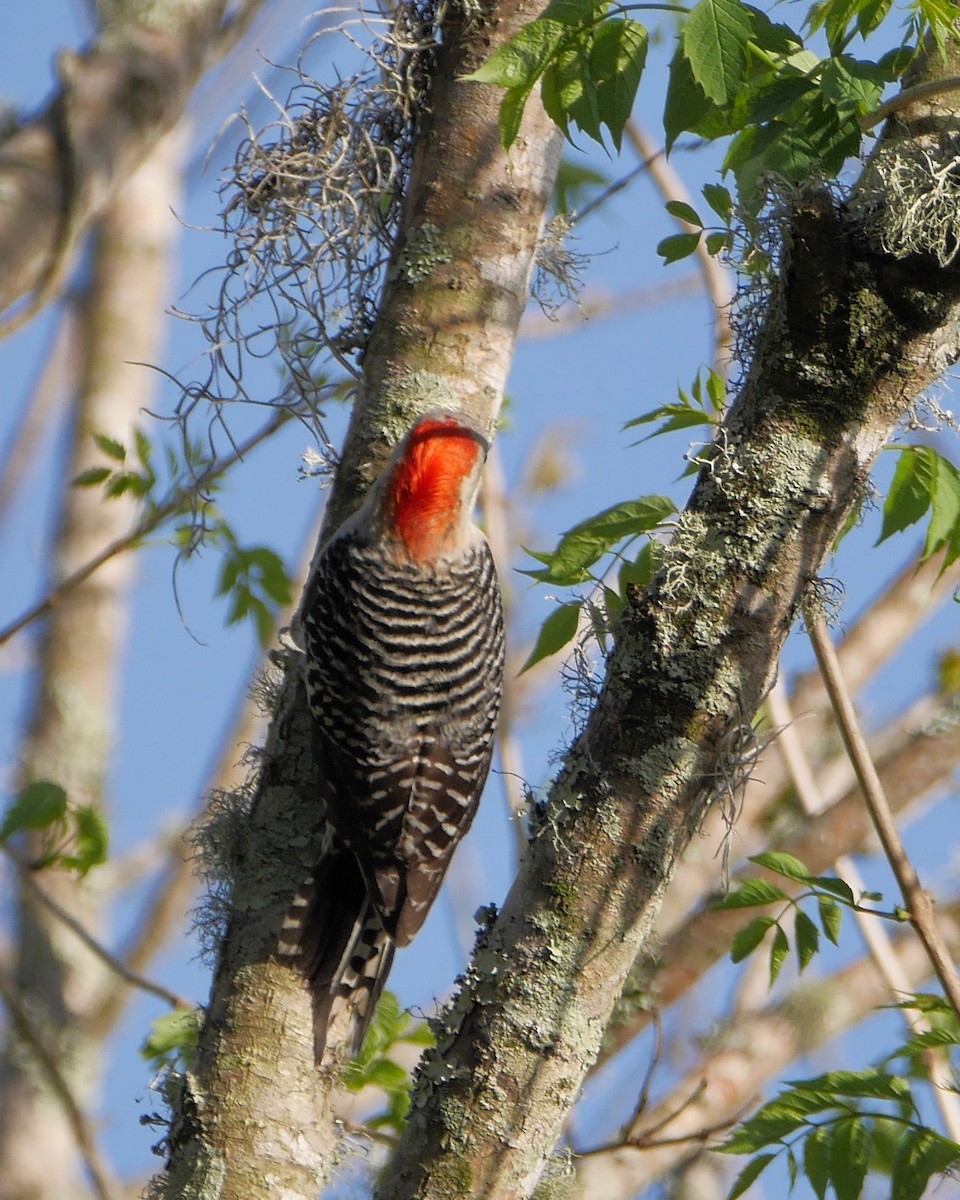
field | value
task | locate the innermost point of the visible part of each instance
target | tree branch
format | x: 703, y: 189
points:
x: 444, y: 337
x: 105, y: 1186
x: 743, y: 1060
x: 918, y: 901
x: 695, y: 656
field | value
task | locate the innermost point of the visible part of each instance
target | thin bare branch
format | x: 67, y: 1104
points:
x: 871, y: 927
x: 174, y: 504
x: 593, y: 307
x: 918, y: 901
x: 59, y: 364
x: 717, y: 279
x: 104, y: 1184
x: 27, y: 881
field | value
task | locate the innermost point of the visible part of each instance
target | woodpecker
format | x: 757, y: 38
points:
x: 403, y: 633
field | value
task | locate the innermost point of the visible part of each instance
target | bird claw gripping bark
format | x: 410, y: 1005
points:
x: 403, y: 634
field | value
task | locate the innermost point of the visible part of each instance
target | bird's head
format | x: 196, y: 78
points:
x: 430, y: 486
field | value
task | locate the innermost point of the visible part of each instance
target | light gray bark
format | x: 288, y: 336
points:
x: 851, y: 338
x: 255, y: 1119
x: 70, y: 733
x: 115, y: 100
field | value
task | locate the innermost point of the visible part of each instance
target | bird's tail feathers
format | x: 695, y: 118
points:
x: 342, y: 950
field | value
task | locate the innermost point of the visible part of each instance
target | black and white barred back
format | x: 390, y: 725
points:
x: 404, y: 674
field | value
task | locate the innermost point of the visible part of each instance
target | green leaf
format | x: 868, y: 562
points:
x: 719, y: 243
x: 783, y: 1116
x: 869, y: 1083
x: 752, y: 894
x: 521, y: 61
x: 783, y: 864
x: 870, y: 16
x: 91, y: 840
x: 831, y: 916
x: 557, y: 631
x: 639, y: 571
x: 573, y: 184
x: 779, y: 950
x: 932, y: 1039
x: 511, y: 115
x: 816, y: 1159
x: 684, y: 212
x: 143, y: 448
x: 92, y: 477
x: 172, y: 1035
x: 714, y: 40
x: 921, y: 1154
x: 719, y: 199
x: 852, y: 87
x: 944, y: 525
x: 911, y: 491
x: 940, y: 16
x: 388, y: 1075
x: 807, y: 938
x: 581, y: 546
x: 750, y: 1173
x: 836, y: 887
x: 617, y: 58
x: 677, y: 246
x: 849, y: 1158
x: 111, y: 447
x: 673, y: 416
x: 38, y: 806
x: 686, y: 107
x: 749, y: 938
x: 517, y: 66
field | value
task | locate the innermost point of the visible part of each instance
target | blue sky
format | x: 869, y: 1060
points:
x: 182, y: 677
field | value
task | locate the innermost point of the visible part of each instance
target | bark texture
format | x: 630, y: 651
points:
x: 744, y: 1059
x: 70, y: 733
x: 115, y: 100
x: 852, y: 336
x: 255, y: 1118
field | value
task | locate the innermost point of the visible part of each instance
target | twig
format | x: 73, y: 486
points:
x: 918, y: 902
x: 147, y: 525
x: 177, y: 880
x: 717, y: 279
x: 42, y: 406
x: 922, y: 91
x: 595, y: 306
x: 103, y: 1183
x: 871, y: 927
x: 145, y: 985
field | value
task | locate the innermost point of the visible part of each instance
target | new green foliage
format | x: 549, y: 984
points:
x: 735, y: 74
x: 74, y: 836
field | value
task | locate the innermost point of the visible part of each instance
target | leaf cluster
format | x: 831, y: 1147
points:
x: 253, y: 578
x: 256, y: 582
x: 923, y: 482
x: 717, y: 240
x: 73, y: 836
x: 735, y: 74
x: 122, y: 479
x: 835, y: 1128
x: 832, y: 895
x: 587, y: 61
x: 573, y: 561
x: 372, y: 1067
